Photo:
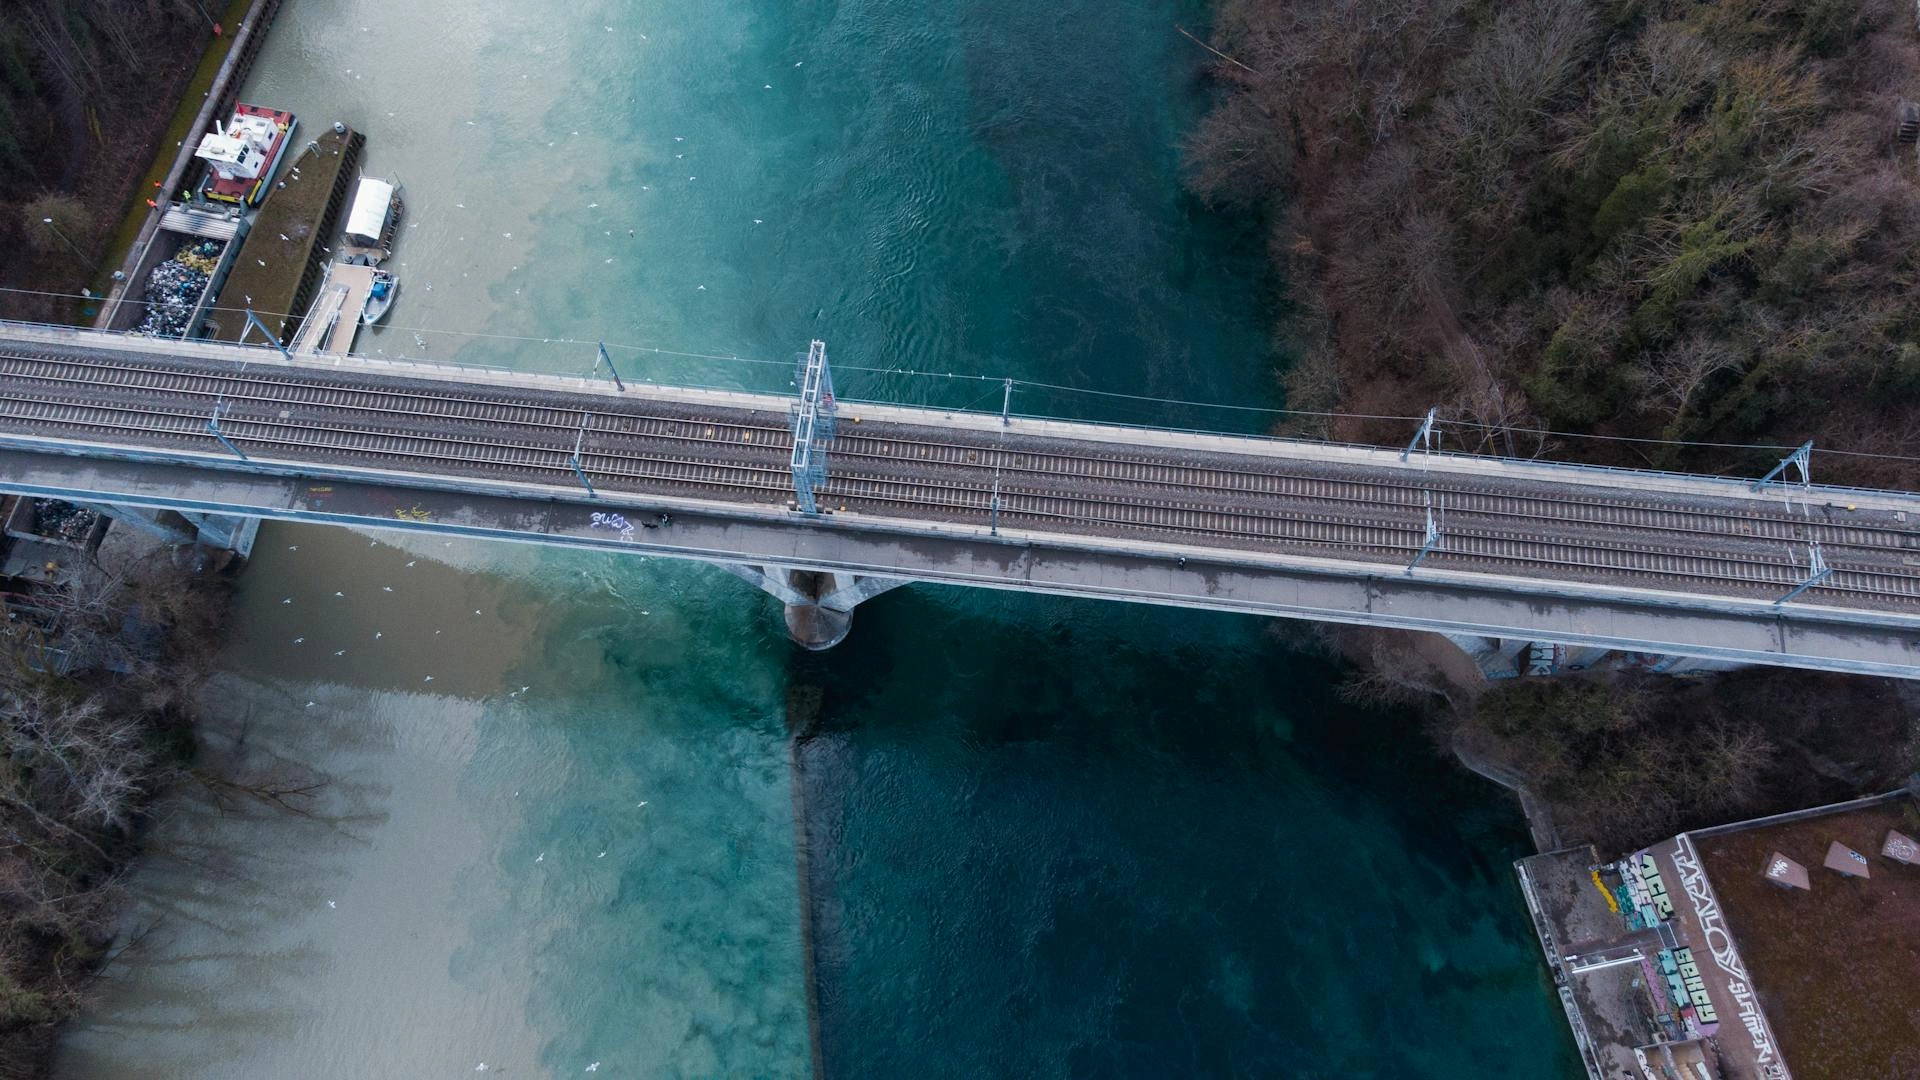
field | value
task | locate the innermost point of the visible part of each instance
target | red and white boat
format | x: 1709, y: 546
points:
x: 242, y: 156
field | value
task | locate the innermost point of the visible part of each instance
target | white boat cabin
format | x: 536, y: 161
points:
x: 367, y: 220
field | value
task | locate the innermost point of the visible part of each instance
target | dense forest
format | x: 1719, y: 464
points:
x: 1657, y: 219
x: 86, y: 89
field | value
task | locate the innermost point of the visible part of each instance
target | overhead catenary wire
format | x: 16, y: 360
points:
x: 1030, y: 384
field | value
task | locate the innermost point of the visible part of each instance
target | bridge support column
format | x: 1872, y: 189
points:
x: 819, y: 603
x: 1508, y: 658
x: 219, y: 531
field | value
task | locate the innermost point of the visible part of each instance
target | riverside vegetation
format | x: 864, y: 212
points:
x: 86, y: 91
x: 98, y: 680
x: 1640, y: 219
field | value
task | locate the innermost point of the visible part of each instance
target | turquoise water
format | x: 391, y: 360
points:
x: 1041, y: 838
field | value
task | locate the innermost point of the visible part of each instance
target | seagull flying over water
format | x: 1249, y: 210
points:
x: 298, y: 640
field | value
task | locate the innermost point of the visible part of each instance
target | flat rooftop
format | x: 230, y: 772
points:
x: 1835, y: 967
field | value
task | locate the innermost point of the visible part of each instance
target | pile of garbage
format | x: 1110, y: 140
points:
x: 174, y: 288
x: 63, y: 521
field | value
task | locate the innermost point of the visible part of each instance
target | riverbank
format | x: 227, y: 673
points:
x: 1634, y: 222
x: 96, y: 111
x: 99, y: 675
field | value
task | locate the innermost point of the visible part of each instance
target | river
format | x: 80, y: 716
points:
x: 560, y: 817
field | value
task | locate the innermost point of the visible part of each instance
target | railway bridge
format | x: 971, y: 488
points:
x: 826, y: 504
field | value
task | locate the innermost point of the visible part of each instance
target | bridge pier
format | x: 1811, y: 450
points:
x: 818, y: 603
x: 223, y: 532
x: 1508, y: 658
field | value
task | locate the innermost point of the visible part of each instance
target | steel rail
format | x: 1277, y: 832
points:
x: 1463, y: 500
x: 1346, y: 535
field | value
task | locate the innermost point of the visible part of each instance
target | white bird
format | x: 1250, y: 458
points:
x: 768, y: 86
x: 756, y: 221
x: 310, y: 704
x: 602, y: 855
x: 541, y: 858
x: 609, y: 29
x: 410, y: 562
x: 427, y: 679
x: 590, y: 206
x: 482, y: 1067
x: 288, y: 600
x: 377, y: 635
x: 595, y: 1067
x: 337, y: 592
x: 679, y: 155
x: 470, y: 123
x: 524, y: 689
x: 507, y: 235
x: 298, y: 640
x: 331, y: 904
x: 339, y: 652
x: 797, y: 63
x: 700, y: 288
x: 646, y: 613
x: 609, y: 261
x: 476, y: 611
x: 389, y: 588
x: 640, y: 804
x: 691, y: 179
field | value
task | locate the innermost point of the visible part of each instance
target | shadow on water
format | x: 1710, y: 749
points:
x: 1060, y: 838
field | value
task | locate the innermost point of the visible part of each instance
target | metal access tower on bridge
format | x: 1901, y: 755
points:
x: 812, y: 428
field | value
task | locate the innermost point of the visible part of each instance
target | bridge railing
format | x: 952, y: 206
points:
x: 1734, y: 486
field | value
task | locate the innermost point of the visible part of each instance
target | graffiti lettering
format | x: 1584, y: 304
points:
x: 1706, y: 909
x: 617, y: 522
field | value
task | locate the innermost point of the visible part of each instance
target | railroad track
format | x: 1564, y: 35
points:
x: 1131, y: 493
x: 86, y: 378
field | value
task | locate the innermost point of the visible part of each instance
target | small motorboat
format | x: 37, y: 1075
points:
x: 379, y: 298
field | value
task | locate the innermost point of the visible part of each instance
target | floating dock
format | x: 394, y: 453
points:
x: 330, y: 325
x: 279, y: 271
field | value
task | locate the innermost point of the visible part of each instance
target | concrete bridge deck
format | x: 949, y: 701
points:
x: 1648, y: 561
